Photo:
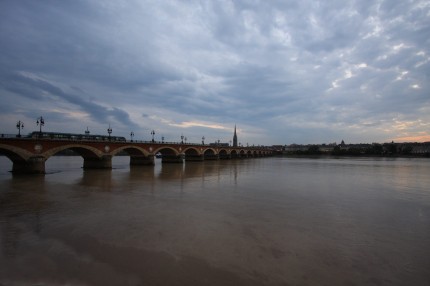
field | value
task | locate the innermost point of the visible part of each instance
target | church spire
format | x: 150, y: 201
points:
x: 235, y: 137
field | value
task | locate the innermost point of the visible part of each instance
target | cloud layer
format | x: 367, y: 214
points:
x: 283, y: 71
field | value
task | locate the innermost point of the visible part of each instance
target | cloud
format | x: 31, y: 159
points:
x: 35, y: 87
x: 293, y: 71
x: 188, y: 124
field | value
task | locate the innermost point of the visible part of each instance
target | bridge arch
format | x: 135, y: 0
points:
x: 209, y: 151
x: 93, y: 157
x: 84, y: 150
x: 166, y: 151
x: 14, y: 153
x: 169, y: 154
x: 192, y: 151
x: 131, y: 150
x: 23, y: 161
x: 210, y: 154
x: 138, y: 155
x: 233, y: 154
x: 224, y: 154
x: 194, y: 154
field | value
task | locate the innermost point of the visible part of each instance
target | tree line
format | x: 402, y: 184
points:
x: 375, y: 149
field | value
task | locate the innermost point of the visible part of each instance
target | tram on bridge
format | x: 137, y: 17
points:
x: 30, y: 152
x: 72, y: 136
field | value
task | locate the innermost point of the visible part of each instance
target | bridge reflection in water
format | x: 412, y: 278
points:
x: 145, y: 177
x: 30, y: 154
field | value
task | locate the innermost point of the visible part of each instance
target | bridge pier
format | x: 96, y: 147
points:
x: 104, y: 162
x: 142, y: 160
x: 194, y: 157
x: 34, y: 165
x: 225, y: 156
x: 234, y: 156
x: 172, y: 159
x: 211, y: 157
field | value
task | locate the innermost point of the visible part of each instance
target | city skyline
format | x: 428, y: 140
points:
x: 306, y: 72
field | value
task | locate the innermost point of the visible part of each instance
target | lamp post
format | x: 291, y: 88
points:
x: 131, y: 136
x: 109, y: 130
x: 41, y: 122
x: 230, y: 142
x: 19, y: 125
x: 152, y: 133
x: 162, y: 139
x: 87, y: 132
x: 182, y: 139
x: 185, y: 140
x: 203, y: 140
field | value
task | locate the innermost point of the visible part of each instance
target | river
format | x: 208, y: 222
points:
x: 265, y: 221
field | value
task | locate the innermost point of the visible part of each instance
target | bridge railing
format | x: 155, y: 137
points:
x: 14, y: 136
x: 11, y: 136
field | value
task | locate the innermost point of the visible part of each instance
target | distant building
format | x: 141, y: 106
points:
x: 235, y: 137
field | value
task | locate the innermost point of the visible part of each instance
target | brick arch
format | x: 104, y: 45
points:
x: 131, y: 150
x: 166, y: 151
x: 192, y: 151
x: 209, y: 151
x: 223, y: 152
x: 14, y: 153
x: 234, y: 154
x: 84, y: 150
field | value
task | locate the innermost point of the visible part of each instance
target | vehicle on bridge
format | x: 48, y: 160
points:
x: 72, y: 136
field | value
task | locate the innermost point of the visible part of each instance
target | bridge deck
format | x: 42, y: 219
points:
x: 29, y: 154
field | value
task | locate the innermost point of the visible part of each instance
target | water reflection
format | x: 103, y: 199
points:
x: 171, y: 172
x: 141, y: 173
x: 22, y: 201
x: 101, y: 179
x: 212, y: 169
x: 272, y: 221
x: 195, y: 169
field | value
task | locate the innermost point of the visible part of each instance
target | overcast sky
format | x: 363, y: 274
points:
x: 282, y: 71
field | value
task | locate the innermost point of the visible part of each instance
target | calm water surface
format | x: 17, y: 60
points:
x: 272, y: 221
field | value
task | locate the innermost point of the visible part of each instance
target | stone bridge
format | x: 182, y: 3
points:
x: 29, y: 154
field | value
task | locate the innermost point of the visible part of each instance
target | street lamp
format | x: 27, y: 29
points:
x: 185, y: 140
x: 203, y: 140
x: 109, y: 131
x: 162, y: 139
x: 230, y: 142
x: 20, y: 125
x: 152, y: 133
x: 131, y: 136
x: 87, y: 132
x: 41, y: 122
x: 182, y: 138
